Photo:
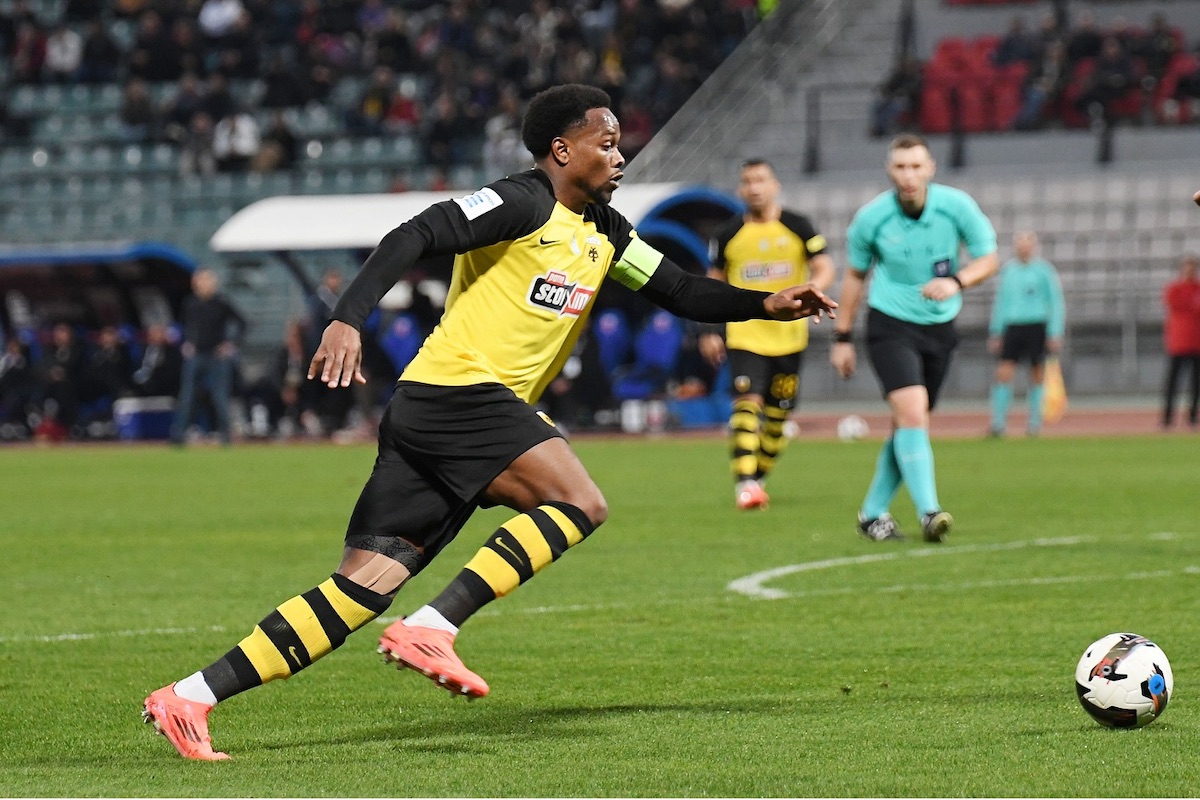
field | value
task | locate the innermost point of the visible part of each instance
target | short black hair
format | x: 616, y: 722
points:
x: 757, y: 162
x: 555, y: 111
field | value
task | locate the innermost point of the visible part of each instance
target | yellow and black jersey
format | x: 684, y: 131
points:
x: 767, y: 256
x: 526, y: 271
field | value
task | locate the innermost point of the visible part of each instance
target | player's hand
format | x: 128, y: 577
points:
x: 1054, y: 345
x: 712, y: 348
x: 843, y: 358
x: 797, y: 302
x: 339, y: 358
x: 993, y: 345
x: 940, y: 289
x: 1196, y: 198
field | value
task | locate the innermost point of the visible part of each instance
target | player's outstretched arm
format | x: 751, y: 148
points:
x: 338, y: 359
x: 798, y: 302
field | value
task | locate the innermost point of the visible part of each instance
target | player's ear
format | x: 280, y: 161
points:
x: 560, y: 151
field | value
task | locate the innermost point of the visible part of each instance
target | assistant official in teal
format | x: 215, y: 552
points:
x: 908, y: 241
x: 1027, y: 323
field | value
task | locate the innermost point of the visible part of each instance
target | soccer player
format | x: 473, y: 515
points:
x: 768, y: 248
x: 1027, y: 322
x: 460, y: 431
x: 908, y: 239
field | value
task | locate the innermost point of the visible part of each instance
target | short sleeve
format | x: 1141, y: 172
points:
x: 814, y: 243
x: 975, y: 228
x: 860, y: 249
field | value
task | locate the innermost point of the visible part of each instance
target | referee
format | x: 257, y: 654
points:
x: 1027, y: 322
x: 908, y: 241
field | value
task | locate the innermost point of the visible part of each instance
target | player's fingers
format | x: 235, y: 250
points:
x: 314, y: 366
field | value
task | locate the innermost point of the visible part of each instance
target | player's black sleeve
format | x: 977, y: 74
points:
x: 814, y: 243
x: 701, y: 299
x: 500, y: 212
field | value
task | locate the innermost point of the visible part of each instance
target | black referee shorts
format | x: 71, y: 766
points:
x: 439, y: 448
x: 907, y: 354
x: 766, y: 376
x: 1025, y: 343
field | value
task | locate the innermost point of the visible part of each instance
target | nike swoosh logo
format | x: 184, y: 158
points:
x: 292, y: 650
x: 511, y: 551
x: 542, y: 240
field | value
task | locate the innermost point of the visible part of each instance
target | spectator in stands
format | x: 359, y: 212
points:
x: 671, y: 89
x: 108, y: 374
x: 1085, y: 41
x: 1017, y: 47
x: 179, y: 111
x: 101, y: 54
x: 189, y: 50
x: 404, y: 112
x: 62, y: 370
x: 218, y: 100
x: 1111, y: 78
x: 11, y: 19
x: 392, y: 46
x: 367, y: 116
x: 139, y: 118
x: 154, y: 57
x: 236, y: 140
x: 1043, y: 87
x: 196, y: 154
x: 1050, y: 31
x: 238, y: 52
x: 444, y: 137
x: 1158, y: 47
x: 18, y: 388
x: 282, y: 90
x: 636, y: 128
x: 1181, y: 334
x: 159, y: 373
x: 212, y: 327
x: 27, y: 53
x: 503, y: 151
x: 279, y: 147
x: 64, y: 54
x: 898, y: 98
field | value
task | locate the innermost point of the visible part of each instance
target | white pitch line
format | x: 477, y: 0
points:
x: 81, y: 637
x: 752, y: 585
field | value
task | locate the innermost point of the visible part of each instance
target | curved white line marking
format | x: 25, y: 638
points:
x: 753, y: 585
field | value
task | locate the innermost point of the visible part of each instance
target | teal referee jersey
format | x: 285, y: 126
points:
x: 1028, y: 293
x: 903, y: 254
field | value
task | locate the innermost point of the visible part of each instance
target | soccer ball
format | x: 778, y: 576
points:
x: 852, y: 427
x: 1124, y: 681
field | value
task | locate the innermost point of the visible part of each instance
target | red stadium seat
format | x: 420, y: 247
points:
x: 935, y: 109
x: 1006, y: 103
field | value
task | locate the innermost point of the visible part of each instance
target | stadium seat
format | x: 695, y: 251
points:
x: 656, y: 351
x: 611, y: 331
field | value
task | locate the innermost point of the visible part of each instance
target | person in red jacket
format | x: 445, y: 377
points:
x: 1181, y: 332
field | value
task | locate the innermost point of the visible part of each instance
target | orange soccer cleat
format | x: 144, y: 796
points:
x: 751, y: 494
x: 430, y: 651
x: 183, y: 722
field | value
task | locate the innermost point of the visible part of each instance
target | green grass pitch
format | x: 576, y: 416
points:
x: 630, y: 667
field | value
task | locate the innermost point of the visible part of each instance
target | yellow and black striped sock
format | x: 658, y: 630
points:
x: 518, y: 549
x: 744, y: 438
x: 771, y: 439
x: 294, y: 635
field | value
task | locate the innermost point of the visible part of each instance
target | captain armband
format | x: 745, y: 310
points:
x: 637, y: 264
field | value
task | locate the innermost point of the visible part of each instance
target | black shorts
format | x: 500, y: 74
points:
x: 776, y: 377
x: 439, y: 448
x: 907, y: 354
x: 1025, y: 343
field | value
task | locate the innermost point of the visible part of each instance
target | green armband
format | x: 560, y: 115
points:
x: 637, y: 264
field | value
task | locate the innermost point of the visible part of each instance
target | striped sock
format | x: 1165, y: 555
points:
x: 294, y: 635
x: 515, y: 552
x: 771, y: 439
x: 745, y: 441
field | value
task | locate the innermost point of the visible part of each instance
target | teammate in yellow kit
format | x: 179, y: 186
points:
x: 767, y: 248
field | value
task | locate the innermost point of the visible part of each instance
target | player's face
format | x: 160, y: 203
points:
x: 1025, y: 244
x: 758, y: 187
x: 596, y: 160
x: 911, y: 169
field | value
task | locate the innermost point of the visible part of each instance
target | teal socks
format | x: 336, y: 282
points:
x: 914, y: 455
x: 884, y: 484
x: 1001, y: 398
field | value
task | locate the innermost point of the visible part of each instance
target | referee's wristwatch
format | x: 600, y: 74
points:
x: 843, y: 337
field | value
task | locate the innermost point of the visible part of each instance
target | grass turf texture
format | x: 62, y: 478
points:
x: 628, y: 668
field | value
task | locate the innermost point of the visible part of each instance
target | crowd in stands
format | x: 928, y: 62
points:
x: 1062, y: 73
x: 453, y: 74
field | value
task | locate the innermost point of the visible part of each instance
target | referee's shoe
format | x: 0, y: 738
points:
x: 936, y: 525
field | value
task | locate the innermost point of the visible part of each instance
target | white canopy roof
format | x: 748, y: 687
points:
x: 330, y: 222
